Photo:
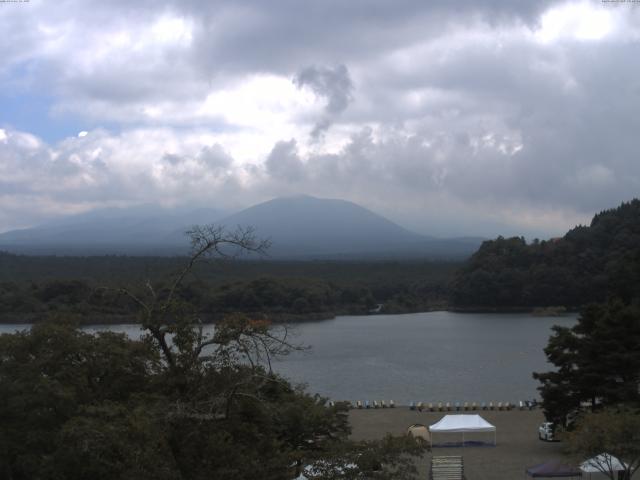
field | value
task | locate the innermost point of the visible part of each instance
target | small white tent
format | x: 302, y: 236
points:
x: 603, y: 463
x: 462, y: 424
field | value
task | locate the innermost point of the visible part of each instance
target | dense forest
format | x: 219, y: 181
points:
x: 35, y: 288
x: 589, y: 264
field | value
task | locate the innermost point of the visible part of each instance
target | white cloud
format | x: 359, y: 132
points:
x: 576, y: 20
x: 172, y: 30
x: 468, y: 112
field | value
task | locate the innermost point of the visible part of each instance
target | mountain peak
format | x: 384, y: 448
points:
x: 299, y: 226
x: 321, y: 226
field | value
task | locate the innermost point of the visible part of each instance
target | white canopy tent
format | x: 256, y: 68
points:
x: 602, y: 463
x: 462, y: 424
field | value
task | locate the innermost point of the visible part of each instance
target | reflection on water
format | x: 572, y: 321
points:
x: 436, y: 356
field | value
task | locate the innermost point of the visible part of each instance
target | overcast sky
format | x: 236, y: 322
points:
x: 450, y: 117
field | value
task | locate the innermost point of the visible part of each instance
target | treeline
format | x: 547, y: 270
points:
x: 589, y: 264
x: 284, y: 291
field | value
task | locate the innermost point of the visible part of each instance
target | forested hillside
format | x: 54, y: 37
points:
x: 589, y: 264
x: 35, y: 288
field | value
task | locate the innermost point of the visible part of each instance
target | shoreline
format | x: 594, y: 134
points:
x: 283, y: 317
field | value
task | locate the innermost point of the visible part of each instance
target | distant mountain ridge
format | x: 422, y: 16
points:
x: 299, y: 227
x: 138, y: 230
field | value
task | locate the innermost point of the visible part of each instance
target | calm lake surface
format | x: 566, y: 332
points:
x: 432, y: 357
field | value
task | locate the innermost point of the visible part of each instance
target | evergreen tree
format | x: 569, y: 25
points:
x: 597, y: 362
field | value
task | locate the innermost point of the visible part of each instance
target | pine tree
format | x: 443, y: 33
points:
x: 597, y: 362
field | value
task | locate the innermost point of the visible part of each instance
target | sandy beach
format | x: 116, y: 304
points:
x: 518, y: 446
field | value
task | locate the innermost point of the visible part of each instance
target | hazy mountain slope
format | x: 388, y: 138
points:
x: 305, y: 226
x: 110, y: 230
x: 299, y: 227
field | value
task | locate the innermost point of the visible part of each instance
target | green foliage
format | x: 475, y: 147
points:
x: 615, y: 432
x: 277, y: 295
x: 76, y: 406
x: 49, y: 376
x: 114, y: 440
x: 597, y: 361
x: 589, y: 264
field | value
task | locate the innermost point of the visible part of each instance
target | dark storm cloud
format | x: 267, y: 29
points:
x: 333, y: 84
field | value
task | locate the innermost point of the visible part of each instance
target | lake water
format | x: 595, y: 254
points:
x: 432, y: 357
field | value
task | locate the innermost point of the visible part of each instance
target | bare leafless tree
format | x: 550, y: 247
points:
x: 164, y: 315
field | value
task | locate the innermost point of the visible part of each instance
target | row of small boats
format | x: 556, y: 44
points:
x: 367, y: 404
x: 375, y: 404
x: 444, y: 406
x: 457, y: 406
x: 466, y: 406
